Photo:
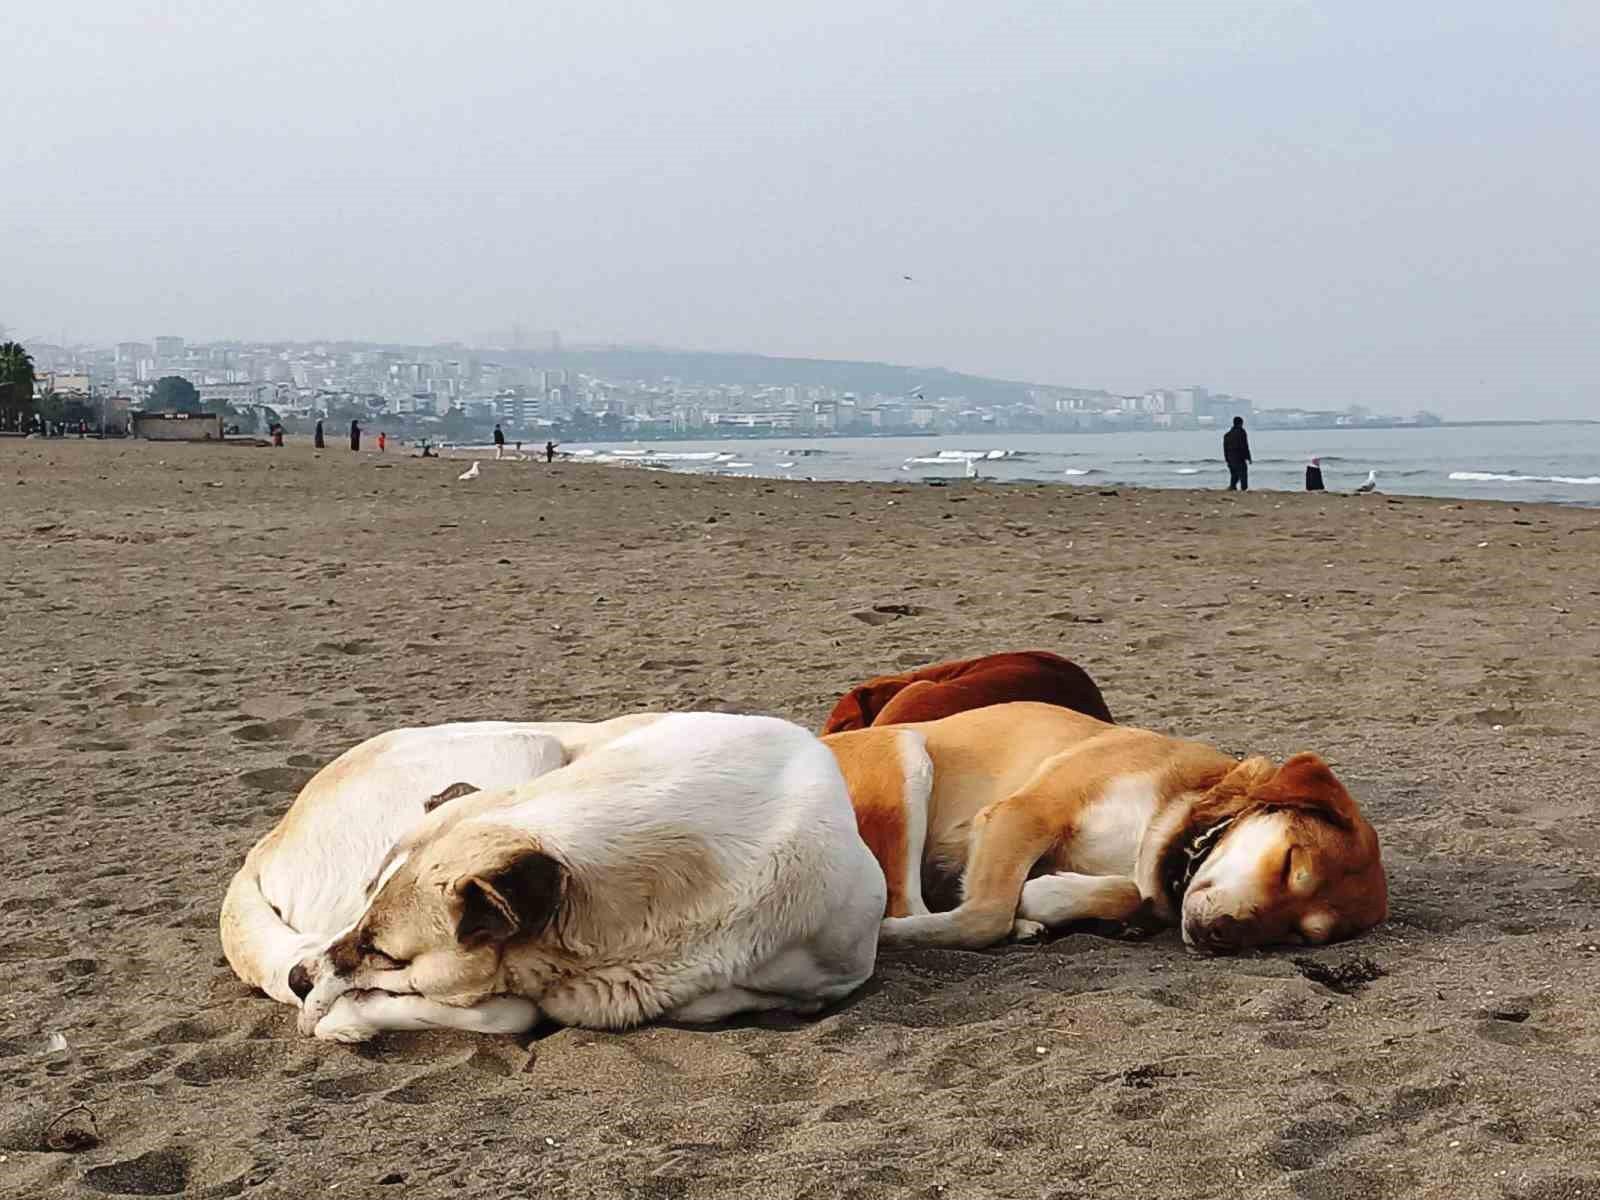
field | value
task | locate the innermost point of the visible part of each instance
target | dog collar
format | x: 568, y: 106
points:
x: 1194, y: 850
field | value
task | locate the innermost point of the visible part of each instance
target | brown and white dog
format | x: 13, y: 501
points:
x: 1048, y: 817
x: 946, y: 688
x: 693, y: 865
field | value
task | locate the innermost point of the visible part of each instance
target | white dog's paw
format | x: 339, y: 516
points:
x: 1023, y: 930
x: 345, y: 1031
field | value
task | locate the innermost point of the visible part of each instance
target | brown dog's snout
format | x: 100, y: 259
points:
x: 1219, y: 935
x: 300, y: 981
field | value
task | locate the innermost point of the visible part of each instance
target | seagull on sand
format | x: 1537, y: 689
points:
x: 972, y: 469
x: 1371, y: 485
x: 470, y: 473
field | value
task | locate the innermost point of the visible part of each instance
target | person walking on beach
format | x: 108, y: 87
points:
x: 499, y: 440
x: 316, y: 438
x: 1314, y: 476
x: 1236, y: 450
x: 549, y: 452
x: 383, y: 441
x: 355, y: 435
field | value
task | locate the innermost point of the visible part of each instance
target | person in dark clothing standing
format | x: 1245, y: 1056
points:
x: 1314, y: 476
x: 499, y: 441
x: 549, y: 452
x: 1236, y: 450
x: 355, y: 435
x: 316, y: 438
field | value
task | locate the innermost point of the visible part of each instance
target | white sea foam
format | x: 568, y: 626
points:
x: 1188, y: 470
x: 957, y: 456
x: 1074, y: 471
x: 1497, y: 477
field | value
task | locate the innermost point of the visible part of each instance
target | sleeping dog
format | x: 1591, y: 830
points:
x: 944, y: 689
x: 477, y: 876
x: 1048, y: 817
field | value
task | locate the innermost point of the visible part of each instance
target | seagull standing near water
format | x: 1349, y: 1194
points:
x: 470, y: 473
x: 1371, y: 485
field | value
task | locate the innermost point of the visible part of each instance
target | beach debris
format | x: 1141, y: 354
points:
x: 72, y: 1131
x: 1145, y: 1076
x: 871, y: 616
x: 470, y: 473
x: 1515, y: 1015
x: 1346, y: 978
x: 55, y: 1042
x: 882, y: 614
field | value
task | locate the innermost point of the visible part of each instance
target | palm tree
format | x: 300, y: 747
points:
x: 16, y: 384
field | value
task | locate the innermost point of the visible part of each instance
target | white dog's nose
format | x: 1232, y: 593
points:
x: 300, y: 981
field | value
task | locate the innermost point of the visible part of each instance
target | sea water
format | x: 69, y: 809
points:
x: 1558, y: 463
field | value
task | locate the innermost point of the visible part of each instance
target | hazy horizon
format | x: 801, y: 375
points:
x: 1306, y: 203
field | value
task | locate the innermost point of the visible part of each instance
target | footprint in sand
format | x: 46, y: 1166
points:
x: 471, y: 1081
x: 345, y: 1088
x: 276, y: 779
x: 280, y: 730
x: 229, y: 1063
x: 172, y: 1171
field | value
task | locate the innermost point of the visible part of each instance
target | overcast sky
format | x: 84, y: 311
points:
x: 1303, y: 202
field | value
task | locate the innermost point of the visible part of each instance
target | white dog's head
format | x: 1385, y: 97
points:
x: 442, y: 911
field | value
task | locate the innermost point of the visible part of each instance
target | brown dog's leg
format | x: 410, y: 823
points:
x: 1007, y: 839
x: 1060, y: 899
x: 890, y: 777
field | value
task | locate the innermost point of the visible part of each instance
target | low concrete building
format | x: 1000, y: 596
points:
x: 177, y: 427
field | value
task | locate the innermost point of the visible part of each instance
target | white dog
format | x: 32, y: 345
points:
x: 474, y: 876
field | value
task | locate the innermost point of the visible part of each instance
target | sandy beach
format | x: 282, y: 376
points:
x: 193, y: 630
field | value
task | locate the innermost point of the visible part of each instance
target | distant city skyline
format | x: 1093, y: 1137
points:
x: 572, y: 390
x: 1389, y: 206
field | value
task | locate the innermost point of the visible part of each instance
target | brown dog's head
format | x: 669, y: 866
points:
x: 1275, y: 855
x: 440, y: 915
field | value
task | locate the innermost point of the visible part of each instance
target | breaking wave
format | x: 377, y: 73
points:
x: 1498, y: 477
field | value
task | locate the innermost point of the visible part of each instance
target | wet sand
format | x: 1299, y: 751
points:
x: 192, y: 631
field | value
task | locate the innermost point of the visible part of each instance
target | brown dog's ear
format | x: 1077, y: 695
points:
x: 1307, y: 782
x: 518, y: 898
x: 450, y: 793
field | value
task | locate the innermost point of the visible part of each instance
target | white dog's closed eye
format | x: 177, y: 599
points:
x: 373, y: 955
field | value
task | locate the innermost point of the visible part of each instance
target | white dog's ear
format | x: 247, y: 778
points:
x: 518, y: 898
x: 449, y: 794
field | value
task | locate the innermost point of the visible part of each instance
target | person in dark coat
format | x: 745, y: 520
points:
x: 499, y: 441
x: 549, y: 452
x: 355, y: 435
x: 316, y: 438
x: 1236, y: 450
x: 1314, y: 476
